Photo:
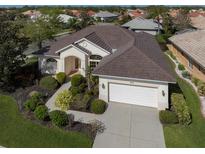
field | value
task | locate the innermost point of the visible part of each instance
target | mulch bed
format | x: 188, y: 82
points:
x: 22, y: 94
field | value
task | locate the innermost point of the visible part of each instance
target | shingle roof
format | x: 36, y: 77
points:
x: 193, y: 44
x: 143, y: 60
x: 138, y: 55
x: 93, y: 37
x: 141, y: 23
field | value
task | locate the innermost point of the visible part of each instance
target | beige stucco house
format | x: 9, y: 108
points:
x: 189, y: 49
x: 130, y: 66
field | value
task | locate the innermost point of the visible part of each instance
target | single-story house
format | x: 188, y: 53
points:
x: 140, y: 24
x: 189, y: 49
x: 65, y: 18
x: 136, y: 13
x: 131, y: 66
x: 105, y: 16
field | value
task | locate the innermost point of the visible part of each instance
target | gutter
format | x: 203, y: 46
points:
x: 134, y: 79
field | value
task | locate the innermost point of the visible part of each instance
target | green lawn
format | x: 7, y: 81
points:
x: 16, y: 131
x: 194, y: 134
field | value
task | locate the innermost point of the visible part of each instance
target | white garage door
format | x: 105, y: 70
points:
x: 137, y: 95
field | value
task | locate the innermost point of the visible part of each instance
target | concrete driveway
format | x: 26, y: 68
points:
x: 130, y: 126
x: 125, y: 125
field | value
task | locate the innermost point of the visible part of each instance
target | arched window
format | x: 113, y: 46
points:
x: 50, y: 60
x: 95, y: 57
x: 94, y: 60
x: 51, y: 66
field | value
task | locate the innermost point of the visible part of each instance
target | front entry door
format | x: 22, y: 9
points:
x: 76, y: 63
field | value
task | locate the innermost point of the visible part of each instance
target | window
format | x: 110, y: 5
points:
x: 94, y: 60
x: 50, y: 60
x: 95, y: 57
x: 190, y: 64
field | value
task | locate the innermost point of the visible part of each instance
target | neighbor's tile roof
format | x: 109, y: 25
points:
x: 105, y: 14
x: 193, y: 44
x: 198, y: 22
x: 141, y: 23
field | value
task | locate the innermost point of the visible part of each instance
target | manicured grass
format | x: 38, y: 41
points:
x: 16, y: 131
x: 194, y: 134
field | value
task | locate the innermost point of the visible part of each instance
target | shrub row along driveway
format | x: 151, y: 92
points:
x: 125, y: 125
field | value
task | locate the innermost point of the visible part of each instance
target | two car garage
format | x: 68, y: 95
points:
x: 144, y: 93
x: 131, y: 94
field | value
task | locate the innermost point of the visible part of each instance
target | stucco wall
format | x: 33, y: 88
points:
x: 183, y: 59
x: 47, y: 68
x: 162, y: 100
x: 76, y: 53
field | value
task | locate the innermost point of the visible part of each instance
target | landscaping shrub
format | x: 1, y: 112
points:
x: 82, y: 87
x: 181, y: 108
x: 76, y: 80
x: 61, y: 77
x: 181, y: 67
x: 98, y: 106
x: 41, y: 112
x: 64, y: 99
x: 58, y: 118
x: 168, y: 117
x: 201, y: 89
x: 80, y: 102
x: 74, y: 90
x: 186, y: 74
x: 49, y: 83
x: 195, y: 81
x: 31, y: 104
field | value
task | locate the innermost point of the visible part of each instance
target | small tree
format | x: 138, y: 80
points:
x: 182, y: 20
x: 12, y: 46
x: 42, y: 29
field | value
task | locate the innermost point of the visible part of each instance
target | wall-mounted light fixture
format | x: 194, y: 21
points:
x: 103, y: 86
x: 163, y: 93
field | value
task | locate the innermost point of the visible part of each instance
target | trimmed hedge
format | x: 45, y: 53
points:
x: 181, y: 108
x: 31, y: 104
x: 64, y: 99
x: 80, y: 102
x: 49, y: 83
x: 98, y: 106
x: 77, y: 80
x: 61, y: 77
x: 41, y: 112
x: 181, y: 67
x: 58, y: 118
x: 168, y: 117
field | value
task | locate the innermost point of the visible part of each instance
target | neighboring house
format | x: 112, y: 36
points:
x: 65, y: 18
x: 198, y: 22
x: 136, y: 13
x: 91, y: 13
x: 189, y: 48
x: 32, y: 14
x: 140, y: 24
x: 76, y: 13
x: 105, y: 16
x: 131, y: 66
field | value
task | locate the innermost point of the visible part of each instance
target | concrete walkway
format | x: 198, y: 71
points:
x: 51, y: 102
x: 202, y: 99
x: 126, y: 125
